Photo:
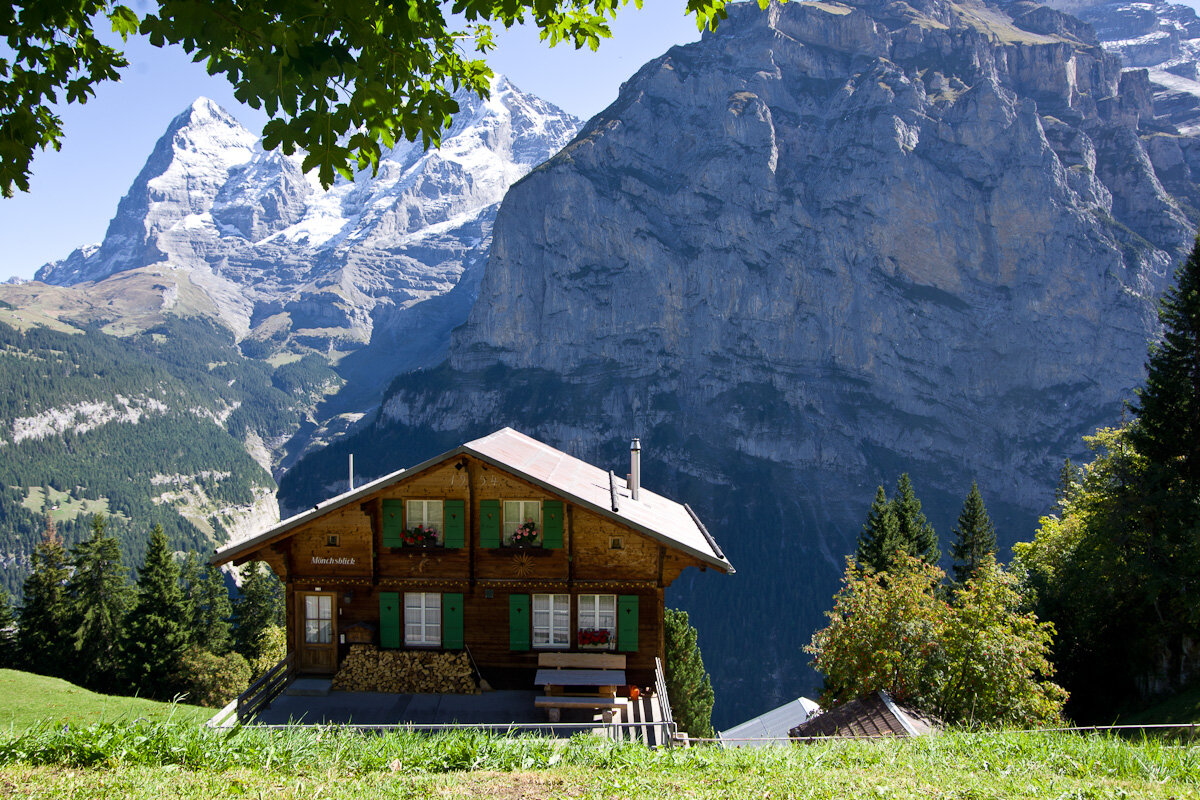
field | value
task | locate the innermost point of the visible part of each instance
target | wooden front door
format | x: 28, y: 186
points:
x: 318, y: 632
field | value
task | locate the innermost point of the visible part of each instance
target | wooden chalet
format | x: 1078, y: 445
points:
x: 504, y: 546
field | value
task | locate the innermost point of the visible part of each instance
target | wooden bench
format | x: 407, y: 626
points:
x: 565, y: 675
x: 555, y: 703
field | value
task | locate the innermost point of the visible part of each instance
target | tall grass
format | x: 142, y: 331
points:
x: 1013, y: 756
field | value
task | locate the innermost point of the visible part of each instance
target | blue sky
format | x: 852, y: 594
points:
x: 74, y: 192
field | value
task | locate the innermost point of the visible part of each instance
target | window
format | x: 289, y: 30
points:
x: 422, y: 619
x: 424, y: 520
x: 598, y: 621
x: 522, y: 522
x: 551, y: 620
x: 318, y: 619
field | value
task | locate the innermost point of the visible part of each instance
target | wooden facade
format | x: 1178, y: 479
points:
x: 590, y: 573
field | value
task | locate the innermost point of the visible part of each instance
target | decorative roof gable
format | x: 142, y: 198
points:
x: 673, y: 524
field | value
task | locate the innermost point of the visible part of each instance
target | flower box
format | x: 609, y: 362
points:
x: 594, y: 639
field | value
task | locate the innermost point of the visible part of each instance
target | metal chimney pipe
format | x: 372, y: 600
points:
x: 351, y: 472
x: 635, y: 468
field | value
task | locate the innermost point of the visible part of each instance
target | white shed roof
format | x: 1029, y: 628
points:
x: 773, y: 725
x: 667, y: 521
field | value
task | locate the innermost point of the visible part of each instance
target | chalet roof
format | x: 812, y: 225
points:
x: 772, y: 727
x: 674, y: 524
x: 870, y: 716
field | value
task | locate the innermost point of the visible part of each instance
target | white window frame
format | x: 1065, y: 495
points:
x: 419, y: 629
x: 590, y: 615
x: 555, y: 630
x: 318, y: 619
x: 423, y: 517
x: 525, y: 509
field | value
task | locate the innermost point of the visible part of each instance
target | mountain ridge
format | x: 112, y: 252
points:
x: 827, y: 244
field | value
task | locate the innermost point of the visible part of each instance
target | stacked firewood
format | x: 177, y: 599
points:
x: 369, y: 669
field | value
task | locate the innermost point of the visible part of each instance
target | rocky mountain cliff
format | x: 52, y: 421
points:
x: 831, y: 242
x: 1160, y: 36
x: 230, y: 300
x: 294, y: 268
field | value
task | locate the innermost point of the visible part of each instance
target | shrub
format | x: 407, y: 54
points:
x: 212, y: 680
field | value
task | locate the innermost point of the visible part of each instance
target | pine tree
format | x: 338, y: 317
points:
x: 974, y: 537
x: 155, y: 635
x: 215, y: 633
x: 916, y: 534
x: 879, y: 540
x: 1165, y: 524
x: 99, y: 596
x: 191, y: 589
x: 258, y: 608
x: 1168, y: 408
x: 8, y: 632
x: 688, y: 686
x: 42, y: 642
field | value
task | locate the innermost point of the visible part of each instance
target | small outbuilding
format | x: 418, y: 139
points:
x: 771, y: 728
x: 869, y: 717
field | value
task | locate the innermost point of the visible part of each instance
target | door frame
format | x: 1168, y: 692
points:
x: 302, y: 645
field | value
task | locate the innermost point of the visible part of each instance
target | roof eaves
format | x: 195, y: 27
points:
x: 720, y: 562
x: 231, y: 552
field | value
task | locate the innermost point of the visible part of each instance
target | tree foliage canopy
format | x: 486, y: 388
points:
x: 974, y: 536
x: 340, y: 81
x: 689, y: 687
x: 975, y: 658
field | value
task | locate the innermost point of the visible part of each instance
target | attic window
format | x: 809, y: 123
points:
x: 616, y: 543
x: 334, y: 540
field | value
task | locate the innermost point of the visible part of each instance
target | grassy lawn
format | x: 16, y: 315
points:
x: 27, y: 699
x: 61, y: 506
x: 148, y: 760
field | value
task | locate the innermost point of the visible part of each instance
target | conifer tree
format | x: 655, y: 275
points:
x: 8, y: 632
x: 1168, y: 408
x: 258, y: 608
x: 99, y: 596
x: 916, y: 534
x: 974, y: 537
x: 688, y: 686
x: 43, y: 643
x: 879, y: 540
x: 214, y: 632
x: 155, y: 634
x: 191, y: 588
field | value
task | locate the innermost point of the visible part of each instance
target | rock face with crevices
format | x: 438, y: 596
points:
x: 828, y: 243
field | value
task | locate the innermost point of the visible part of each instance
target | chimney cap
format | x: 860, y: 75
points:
x: 636, y: 444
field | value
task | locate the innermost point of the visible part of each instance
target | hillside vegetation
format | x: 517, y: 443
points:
x: 149, y: 429
x: 28, y: 700
x: 153, y: 760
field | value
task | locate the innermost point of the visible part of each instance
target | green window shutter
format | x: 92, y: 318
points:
x: 627, y: 623
x: 518, y: 622
x: 489, y: 523
x: 452, y: 621
x: 389, y: 619
x: 454, y: 519
x: 393, y: 523
x: 552, y: 524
